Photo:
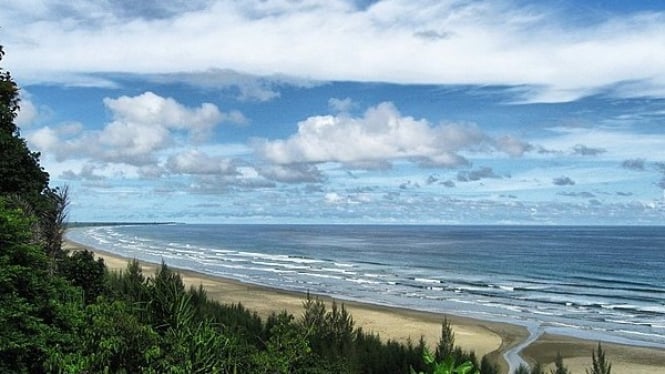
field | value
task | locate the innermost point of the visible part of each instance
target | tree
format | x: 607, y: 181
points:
x: 82, y: 270
x: 167, y: 294
x: 20, y: 172
x: 8, y: 99
x: 35, y: 308
x: 537, y: 368
x: 446, y: 343
x: 53, y: 224
x: 559, y: 367
x: 600, y: 366
x: 286, y: 350
x: 109, y: 338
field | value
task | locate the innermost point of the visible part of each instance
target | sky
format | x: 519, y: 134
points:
x: 343, y: 111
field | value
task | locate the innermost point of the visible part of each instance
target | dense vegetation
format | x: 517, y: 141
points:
x: 65, y: 313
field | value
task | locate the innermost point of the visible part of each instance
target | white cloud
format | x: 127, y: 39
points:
x: 235, y: 117
x: 197, y: 162
x: 45, y: 139
x: 333, y: 198
x: 142, y: 126
x: 449, y: 42
x: 27, y: 114
x: 247, y: 87
x: 381, y: 134
x: 87, y: 173
x: 604, y: 144
x: 151, y: 110
x: 512, y: 146
x: 341, y: 105
x: 294, y: 173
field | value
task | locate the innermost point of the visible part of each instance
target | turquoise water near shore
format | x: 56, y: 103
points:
x: 604, y: 283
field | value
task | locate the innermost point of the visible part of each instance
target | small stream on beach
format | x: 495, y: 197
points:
x: 512, y: 355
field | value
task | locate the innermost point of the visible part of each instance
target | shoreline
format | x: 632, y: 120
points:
x: 402, y: 324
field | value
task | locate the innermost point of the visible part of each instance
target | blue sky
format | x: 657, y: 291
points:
x: 394, y: 111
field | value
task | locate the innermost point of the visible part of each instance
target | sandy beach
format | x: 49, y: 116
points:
x: 484, y: 337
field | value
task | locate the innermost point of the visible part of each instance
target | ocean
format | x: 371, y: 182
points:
x: 600, y: 283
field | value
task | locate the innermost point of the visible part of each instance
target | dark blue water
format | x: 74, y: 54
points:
x: 596, y: 282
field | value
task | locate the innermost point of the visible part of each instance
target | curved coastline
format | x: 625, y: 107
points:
x: 400, y: 324
x: 509, y: 344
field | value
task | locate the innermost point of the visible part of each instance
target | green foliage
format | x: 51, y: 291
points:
x: 286, y: 350
x: 446, y: 343
x: 131, y: 284
x: 600, y: 365
x: 53, y: 222
x: 8, y: 100
x: 83, y: 271
x: 109, y: 339
x: 193, y: 347
x: 33, y: 304
x: 167, y: 298
x: 331, y: 333
x: 20, y: 172
x: 446, y: 366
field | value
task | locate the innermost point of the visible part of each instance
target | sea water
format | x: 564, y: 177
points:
x: 602, y: 283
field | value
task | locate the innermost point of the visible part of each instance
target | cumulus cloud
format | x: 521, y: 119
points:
x: 448, y: 183
x: 28, y: 112
x: 333, y: 198
x: 512, y: 146
x: 534, y: 47
x: 563, y: 181
x: 341, y: 105
x: 583, y: 150
x: 142, y: 125
x: 216, y: 184
x: 583, y: 194
x: 197, y: 162
x: 476, y: 175
x: 87, y: 173
x: 148, y: 110
x: 292, y: 173
x: 634, y: 164
x: 380, y: 135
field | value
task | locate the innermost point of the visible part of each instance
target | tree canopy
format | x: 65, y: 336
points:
x: 20, y: 171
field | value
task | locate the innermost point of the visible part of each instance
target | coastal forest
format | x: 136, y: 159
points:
x: 63, y: 312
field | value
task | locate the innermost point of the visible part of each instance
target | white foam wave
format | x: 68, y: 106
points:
x: 341, y: 271
x: 319, y: 275
x: 427, y: 280
x: 362, y: 281
x: 639, y: 333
